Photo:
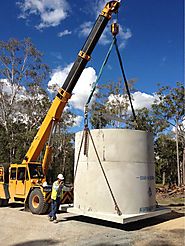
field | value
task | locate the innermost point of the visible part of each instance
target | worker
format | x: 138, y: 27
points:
x: 56, y: 195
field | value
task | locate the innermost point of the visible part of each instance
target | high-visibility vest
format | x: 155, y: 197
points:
x: 57, y: 190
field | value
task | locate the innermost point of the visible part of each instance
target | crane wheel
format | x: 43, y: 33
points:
x: 36, y: 202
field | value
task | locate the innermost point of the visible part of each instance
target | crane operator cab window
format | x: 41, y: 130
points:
x: 21, y: 173
x: 13, y: 173
x: 36, y: 171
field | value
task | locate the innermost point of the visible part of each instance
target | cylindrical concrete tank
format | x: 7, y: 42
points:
x: 127, y: 157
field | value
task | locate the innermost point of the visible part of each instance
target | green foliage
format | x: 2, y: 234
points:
x: 166, y: 113
x: 21, y: 63
x: 4, y: 141
x: 110, y: 109
x: 148, y: 121
x: 63, y: 147
x: 24, y: 104
x: 21, y: 75
x: 170, y: 102
x: 169, y: 106
x: 63, y: 156
x: 165, y: 157
x: 98, y: 119
x: 22, y: 127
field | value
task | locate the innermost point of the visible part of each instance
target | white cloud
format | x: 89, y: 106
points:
x: 98, y: 6
x: 78, y: 120
x: 114, y: 100
x: 85, y: 28
x: 140, y: 100
x: 64, y: 33
x: 123, y: 36
x: 58, y: 77
x: 16, y: 96
x: 5, y: 86
x: 51, y: 12
x: 82, y: 88
x: 10, y: 89
x: 106, y: 37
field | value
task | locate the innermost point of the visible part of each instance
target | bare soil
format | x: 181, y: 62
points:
x: 19, y: 228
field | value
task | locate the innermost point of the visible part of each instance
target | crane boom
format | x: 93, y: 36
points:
x: 54, y: 113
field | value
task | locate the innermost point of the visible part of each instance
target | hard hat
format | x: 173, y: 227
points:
x: 60, y: 176
x: 45, y: 184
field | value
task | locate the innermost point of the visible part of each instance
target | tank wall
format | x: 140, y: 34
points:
x: 128, y: 160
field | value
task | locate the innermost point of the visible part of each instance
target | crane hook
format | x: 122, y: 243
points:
x: 114, y: 28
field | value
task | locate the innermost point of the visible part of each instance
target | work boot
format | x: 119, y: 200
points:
x: 55, y: 221
x: 50, y: 218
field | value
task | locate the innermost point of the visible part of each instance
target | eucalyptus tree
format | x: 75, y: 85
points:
x: 165, y: 158
x: 20, y: 66
x: 167, y: 117
x: 63, y: 147
x: 110, y: 106
x: 169, y: 107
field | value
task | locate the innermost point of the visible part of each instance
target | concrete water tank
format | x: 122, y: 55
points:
x: 127, y: 158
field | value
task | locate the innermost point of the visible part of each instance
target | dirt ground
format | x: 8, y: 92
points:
x: 19, y: 228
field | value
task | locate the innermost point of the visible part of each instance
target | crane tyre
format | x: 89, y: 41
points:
x: 36, y: 202
x: 46, y: 208
x: 1, y: 202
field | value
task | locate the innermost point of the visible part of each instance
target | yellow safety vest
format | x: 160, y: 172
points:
x: 57, y: 191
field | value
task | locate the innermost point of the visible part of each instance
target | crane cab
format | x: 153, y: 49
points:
x: 22, y: 178
x: 24, y: 183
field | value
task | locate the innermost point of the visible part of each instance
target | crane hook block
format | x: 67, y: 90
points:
x: 114, y: 29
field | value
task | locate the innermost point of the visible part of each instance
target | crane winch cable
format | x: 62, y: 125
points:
x: 125, y: 80
x: 96, y: 82
x: 114, y: 30
x: 101, y: 70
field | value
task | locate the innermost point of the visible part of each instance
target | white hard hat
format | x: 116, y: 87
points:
x: 44, y: 184
x: 60, y: 176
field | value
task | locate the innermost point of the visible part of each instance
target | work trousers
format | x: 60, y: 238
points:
x: 54, y: 208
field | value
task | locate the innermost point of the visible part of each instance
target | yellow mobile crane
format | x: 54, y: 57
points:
x: 24, y: 182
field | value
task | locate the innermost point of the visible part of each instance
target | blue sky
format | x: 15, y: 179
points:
x: 151, y: 37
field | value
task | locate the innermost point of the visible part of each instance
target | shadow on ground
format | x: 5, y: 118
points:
x: 37, y: 242
x: 132, y: 226
x: 14, y: 205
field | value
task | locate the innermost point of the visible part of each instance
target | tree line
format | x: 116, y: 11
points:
x: 24, y: 102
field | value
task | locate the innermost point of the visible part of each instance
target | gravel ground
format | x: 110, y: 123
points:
x: 19, y: 228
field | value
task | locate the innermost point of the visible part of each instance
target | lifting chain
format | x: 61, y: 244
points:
x: 86, y: 142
